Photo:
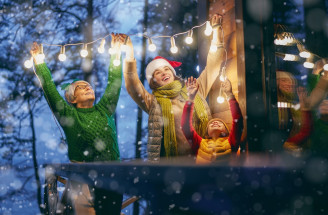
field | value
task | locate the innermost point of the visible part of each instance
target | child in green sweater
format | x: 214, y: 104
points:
x: 89, y: 129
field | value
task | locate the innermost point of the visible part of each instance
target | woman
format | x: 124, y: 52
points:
x: 219, y: 140
x: 165, y: 104
x: 89, y: 129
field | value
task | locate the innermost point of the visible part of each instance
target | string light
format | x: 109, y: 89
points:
x: 308, y: 63
x: 101, y: 48
x: 28, y: 63
x: 303, y: 52
x: 325, y: 67
x: 124, y: 47
x: 62, y: 56
x: 289, y: 57
x: 189, y: 39
x: 117, y: 60
x: 152, y: 46
x: 208, y: 29
x: 220, y: 99
x: 223, y: 76
x: 84, y: 51
x: 173, y: 48
x: 121, y: 48
x: 40, y: 57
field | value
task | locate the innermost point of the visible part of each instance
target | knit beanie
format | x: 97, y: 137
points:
x: 217, y: 119
x: 159, y: 62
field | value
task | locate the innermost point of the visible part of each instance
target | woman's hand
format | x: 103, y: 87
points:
x: 192, y: 88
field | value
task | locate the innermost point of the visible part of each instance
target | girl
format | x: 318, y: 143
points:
x: 220, y: 141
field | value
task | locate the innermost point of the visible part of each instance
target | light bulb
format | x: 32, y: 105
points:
x: 40, y: 57
x: 325, y: 67
x: 62, y: 56
x: 220, y: 99
x: 173, y: 48
x: 208, y: 29
x: 84, y: 51
x: 111, y: 51
x: 124, y: 48
x: 305, y: 54
x: 222, y: 78
x: 213, y: 48
x: 189, y: 39
x: 28, y: 63
x: 101, y: 48
x: 308, y: 65
x: 289, y: 57
x: 117, y: 62
x: 152, y: 47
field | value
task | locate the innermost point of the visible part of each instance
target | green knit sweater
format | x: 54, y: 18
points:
x: 90, y: 132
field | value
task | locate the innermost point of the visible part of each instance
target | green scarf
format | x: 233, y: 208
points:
x: 164, y: 95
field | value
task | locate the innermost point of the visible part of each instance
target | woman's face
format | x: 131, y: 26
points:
x: 163, y: 76
x: 83, y: 92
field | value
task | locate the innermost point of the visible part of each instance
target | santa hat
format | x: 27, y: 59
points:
x: 159, y: 62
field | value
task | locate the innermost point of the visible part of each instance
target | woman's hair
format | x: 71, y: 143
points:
x: 154, y: 85
x: 69, y: 92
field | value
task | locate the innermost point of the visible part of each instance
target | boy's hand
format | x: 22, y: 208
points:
x: 192, y: 88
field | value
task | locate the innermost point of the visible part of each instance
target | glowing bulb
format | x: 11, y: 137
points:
x: 208, y: 29
x: 28, y: 63
x: 152, y: 46
x: 173, y: 48
x: 222, y: 78
x: 111, y: 51
x: 220, y: 99
x: 308, y: 65
x: 116, y: 62
x: 325, y: 67
x: 40, y: 57
x: 62, y: 56
x: 213, y: 48
x: 277, y: 41
x: 289, y: 57
x: 101, y: 48
x: 84, y: 51
x: 305, y: 54
x: 189, y: 39
x: 124, y: 47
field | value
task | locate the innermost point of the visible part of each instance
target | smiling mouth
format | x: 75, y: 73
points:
x: 166, y: 78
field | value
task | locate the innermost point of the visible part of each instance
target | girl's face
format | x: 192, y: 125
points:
x: 83, y: 92
x: 216, y: 126
x: 163, y: 76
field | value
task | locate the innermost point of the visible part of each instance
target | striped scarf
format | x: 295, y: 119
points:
x: 164, y: 95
